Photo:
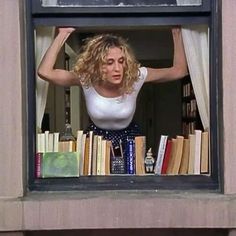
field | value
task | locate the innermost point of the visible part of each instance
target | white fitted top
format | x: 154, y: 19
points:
x: 113, y: 113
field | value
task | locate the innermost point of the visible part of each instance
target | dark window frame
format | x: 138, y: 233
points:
x: 209, y: 13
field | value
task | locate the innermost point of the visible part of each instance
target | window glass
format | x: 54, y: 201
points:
x: 118, y: 3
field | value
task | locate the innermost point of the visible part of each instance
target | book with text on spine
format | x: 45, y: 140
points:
x: 160, y: 154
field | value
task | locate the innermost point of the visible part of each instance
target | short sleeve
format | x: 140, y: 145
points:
x: 142, y: 78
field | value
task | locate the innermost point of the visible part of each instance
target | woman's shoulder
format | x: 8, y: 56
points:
x: 142, y: 77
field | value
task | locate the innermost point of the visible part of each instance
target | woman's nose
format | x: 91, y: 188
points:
x: 117, y: 66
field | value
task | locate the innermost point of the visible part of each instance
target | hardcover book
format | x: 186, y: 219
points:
x: 57, y: 164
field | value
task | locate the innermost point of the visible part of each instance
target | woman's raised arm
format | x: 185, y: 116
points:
x: 46, y: 68
x: 179, y: 68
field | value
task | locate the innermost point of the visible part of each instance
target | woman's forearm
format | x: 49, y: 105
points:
x: 46, y: 67
x: 179, y: 62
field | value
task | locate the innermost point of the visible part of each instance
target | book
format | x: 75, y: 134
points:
x: 41, y: 142
x: 205, y: 153
x: 94, y: 157
x: 81, y: 165
x: 38, y: 157
x: 172, y: 156
x: 108, y: 157
x: 197, y: 156
x: 66, y: 146
x: 130, y: 156
x: 90, y: 152
x: 56, y: 164
x: 183, y: 170
x: 46, y: 133
x: 86, y: 157
x: 99, y: 154
x: 177, y: 155
x: 166, y: 157
x: 79, y: 135
x: 140, y: 151
x: 103, y: 157
x: 55, y: 141
x: 160, y: 154
x: 50, y: 142
x: 191, y: 153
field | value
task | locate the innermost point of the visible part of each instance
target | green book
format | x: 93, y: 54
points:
x: 57, y: 164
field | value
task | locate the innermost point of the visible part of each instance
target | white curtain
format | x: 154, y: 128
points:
x: 196, y: 44
x: 43, y: 39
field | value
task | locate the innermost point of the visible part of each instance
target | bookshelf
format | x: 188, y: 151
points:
x: 190, y: 114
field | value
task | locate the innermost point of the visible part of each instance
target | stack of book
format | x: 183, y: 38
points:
x: 183, y: 156
x: 91, y: 155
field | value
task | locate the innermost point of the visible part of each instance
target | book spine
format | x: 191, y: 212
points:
x: 160, y: 154
x: 130, y: 157
x: 38, y: 159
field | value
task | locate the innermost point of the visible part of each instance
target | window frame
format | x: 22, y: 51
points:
x: 209, y: 13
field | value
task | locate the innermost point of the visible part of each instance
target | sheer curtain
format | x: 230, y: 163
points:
x: 43, y: 39
x: 196, y: 44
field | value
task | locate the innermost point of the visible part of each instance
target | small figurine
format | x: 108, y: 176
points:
x: 149, y: 162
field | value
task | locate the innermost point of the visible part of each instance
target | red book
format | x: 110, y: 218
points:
x: 166, y: 157
x: 38, y: 160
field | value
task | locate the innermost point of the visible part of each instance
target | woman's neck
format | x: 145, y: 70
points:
x: 108, y: 90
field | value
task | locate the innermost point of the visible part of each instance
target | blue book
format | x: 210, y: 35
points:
x: 130, y: 156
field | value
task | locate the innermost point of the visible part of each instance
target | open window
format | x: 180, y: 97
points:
x: 160, y: 107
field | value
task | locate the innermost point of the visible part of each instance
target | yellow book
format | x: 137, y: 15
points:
x: 183, y: 170
x: 140, y: 151
x: 178, y: 155
x: 205, y: 153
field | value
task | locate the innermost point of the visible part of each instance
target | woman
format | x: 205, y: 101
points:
x: 111, y: 79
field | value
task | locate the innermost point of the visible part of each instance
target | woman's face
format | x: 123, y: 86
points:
x: 113, y: 69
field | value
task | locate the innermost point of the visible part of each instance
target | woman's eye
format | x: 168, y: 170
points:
x: 109, y: 62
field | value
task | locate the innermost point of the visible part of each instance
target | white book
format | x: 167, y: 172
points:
x: 90, y: 152
x: 42, y: 142
x: 99, y: 154
x: 103, y: 156
x: 81, y: 164
x: 55, y: 141
x: 197, y: 156
x: 46, y: 140
x: 50, y: 142
x: 38, y: 143
x: 94, y: 157
x: 79, y: 141
x: 191, y: 154
x: 160, y: 154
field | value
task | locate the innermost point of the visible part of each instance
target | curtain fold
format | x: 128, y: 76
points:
x: 196, y: 45
x: 43, y: 39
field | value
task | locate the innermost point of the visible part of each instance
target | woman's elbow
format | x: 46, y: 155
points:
x: 181, y: 72
x: 43, y: 74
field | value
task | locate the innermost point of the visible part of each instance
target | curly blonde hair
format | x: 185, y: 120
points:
x: 93, y: 56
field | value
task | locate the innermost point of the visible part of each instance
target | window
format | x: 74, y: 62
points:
x: 130, y: 20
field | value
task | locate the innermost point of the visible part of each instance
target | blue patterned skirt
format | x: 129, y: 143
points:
x: 116, y: 136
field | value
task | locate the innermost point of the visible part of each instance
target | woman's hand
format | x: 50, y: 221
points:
x: 176, y: 32
x: 66, y: 30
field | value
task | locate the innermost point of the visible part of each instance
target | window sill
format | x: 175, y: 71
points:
x: 118, y: 209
